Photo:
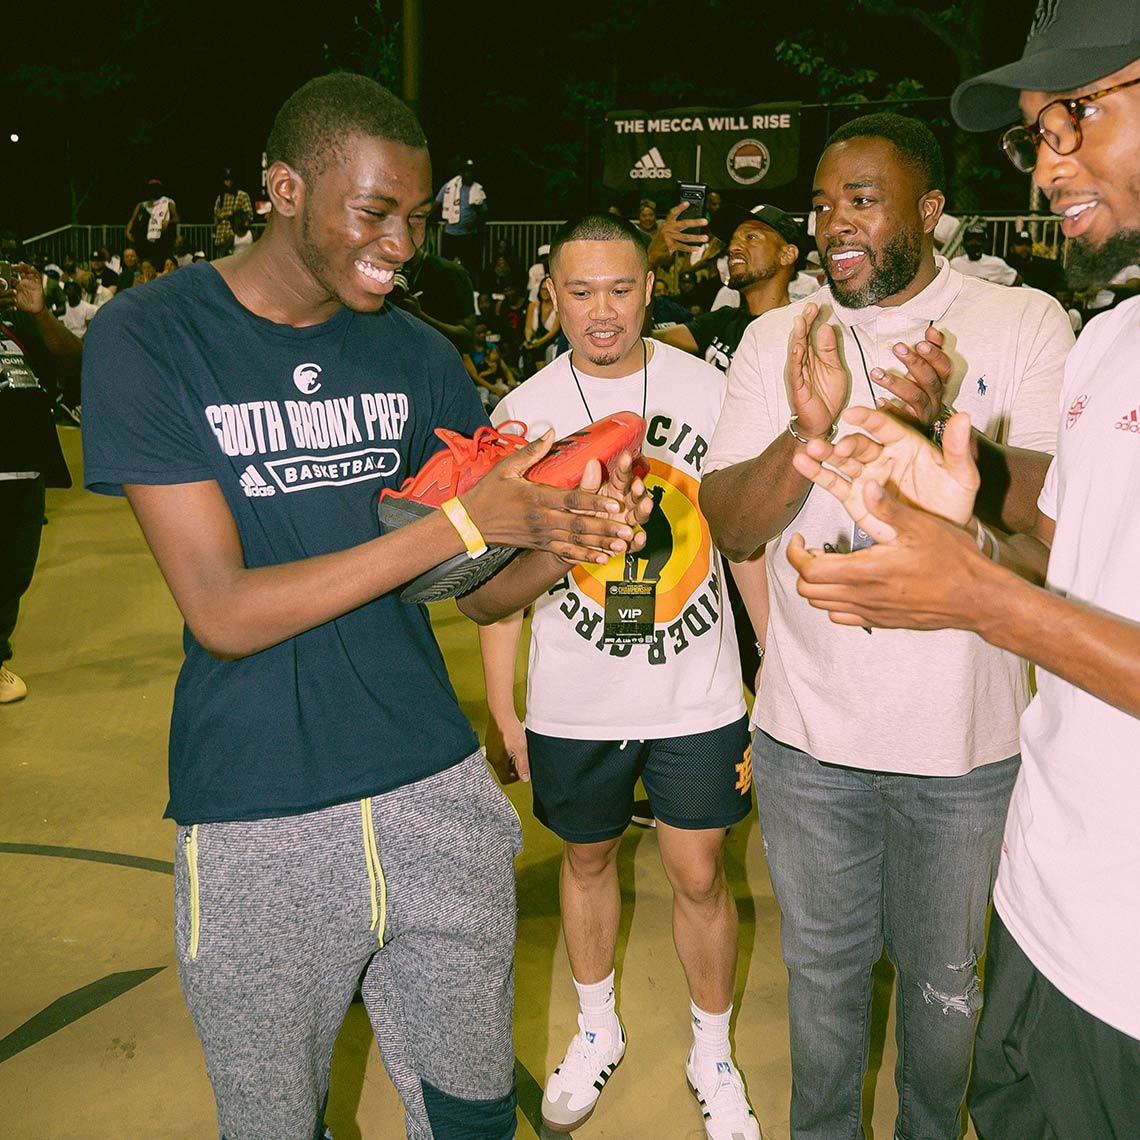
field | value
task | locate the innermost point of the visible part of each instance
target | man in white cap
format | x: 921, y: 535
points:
x: 1058, y: 1051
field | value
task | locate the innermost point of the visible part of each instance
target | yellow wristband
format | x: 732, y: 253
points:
x: 459, y: 518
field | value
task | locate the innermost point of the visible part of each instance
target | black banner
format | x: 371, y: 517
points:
x: 728, y: 149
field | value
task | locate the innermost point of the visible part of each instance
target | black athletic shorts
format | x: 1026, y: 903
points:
x: 583, y: 789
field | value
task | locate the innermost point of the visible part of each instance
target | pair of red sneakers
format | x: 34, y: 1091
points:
x: 463, y: 462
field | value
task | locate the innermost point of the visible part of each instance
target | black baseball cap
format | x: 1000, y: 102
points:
x: 1071, y: 43
x: 729, y: 216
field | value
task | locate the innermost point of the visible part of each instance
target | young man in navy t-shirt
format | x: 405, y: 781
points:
x: 335, y: 815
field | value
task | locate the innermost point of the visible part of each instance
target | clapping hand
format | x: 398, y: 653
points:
x: 892, y: 455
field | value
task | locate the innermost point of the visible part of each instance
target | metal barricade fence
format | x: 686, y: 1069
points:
x: 1044, y: 229
x: 520, y: 238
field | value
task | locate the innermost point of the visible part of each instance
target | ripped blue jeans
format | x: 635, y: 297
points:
x: 864, y: 860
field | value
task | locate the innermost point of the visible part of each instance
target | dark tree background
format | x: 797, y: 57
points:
x: 105, y: 96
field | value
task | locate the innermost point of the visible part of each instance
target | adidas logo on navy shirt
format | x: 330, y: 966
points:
x: 254, y: 485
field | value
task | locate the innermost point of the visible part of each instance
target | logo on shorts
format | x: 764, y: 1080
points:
x: 744, y: 773
x: 254, y: 486
x: 748, y: 161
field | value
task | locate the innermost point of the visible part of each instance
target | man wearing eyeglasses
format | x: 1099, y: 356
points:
x: 1058, y: 1051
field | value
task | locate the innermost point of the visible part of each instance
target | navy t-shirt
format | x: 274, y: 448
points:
x: 300, y: 428
x: 718, y: 334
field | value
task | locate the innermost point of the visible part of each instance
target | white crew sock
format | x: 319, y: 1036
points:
x: 710, y: 1034
x: 598, y: 1004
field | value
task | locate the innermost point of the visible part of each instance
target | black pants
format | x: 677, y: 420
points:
x: 21, y: 524
x: 1044, y: 1069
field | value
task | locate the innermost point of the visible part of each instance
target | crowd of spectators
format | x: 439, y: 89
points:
x: 510, y: 330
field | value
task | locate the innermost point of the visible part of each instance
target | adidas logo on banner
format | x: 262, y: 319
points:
x: 254, y: 486
x: 651, y: 165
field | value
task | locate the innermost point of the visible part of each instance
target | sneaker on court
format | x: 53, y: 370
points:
x: 12, y: 688
x: 572, y: 1090
x: 720, y: 1092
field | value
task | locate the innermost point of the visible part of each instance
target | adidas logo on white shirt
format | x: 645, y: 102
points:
x: 1130, y: 421
x: 651, y: 165
x: 254, y: 485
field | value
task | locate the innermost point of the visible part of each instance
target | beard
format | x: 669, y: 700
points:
x: 891, y: 272
x: 751, y: 277
x: 1091, y: 265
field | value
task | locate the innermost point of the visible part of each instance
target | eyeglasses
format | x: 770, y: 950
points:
x: 1058, y: 124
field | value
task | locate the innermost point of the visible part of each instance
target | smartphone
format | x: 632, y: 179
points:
x: 693, y: 194
x: 8, y: 276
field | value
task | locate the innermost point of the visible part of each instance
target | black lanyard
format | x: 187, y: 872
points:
x: 644, y: 380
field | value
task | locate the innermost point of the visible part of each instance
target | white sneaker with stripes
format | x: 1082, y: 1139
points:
x: 572, y: 1090
x: 719, y: 1090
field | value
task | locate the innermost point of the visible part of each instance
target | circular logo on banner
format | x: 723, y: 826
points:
x: 678, y: 549
x: 748, y: 161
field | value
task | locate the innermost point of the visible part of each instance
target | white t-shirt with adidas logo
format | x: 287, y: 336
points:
x: 1069, y: 884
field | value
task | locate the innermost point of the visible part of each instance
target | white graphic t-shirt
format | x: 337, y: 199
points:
x: 688, y: 679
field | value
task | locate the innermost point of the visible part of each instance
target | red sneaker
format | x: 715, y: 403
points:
x: 604, y: 440
x: 465, y: 461
x: 460, y: 465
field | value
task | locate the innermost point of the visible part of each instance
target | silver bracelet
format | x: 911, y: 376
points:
x: 827, y: 437
x: 980, y: 539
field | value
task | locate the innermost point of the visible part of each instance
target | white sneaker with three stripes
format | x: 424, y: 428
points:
x: 719, y: 1090
x: 572, y: 1090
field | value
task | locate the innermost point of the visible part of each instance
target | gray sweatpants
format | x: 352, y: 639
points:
x: 275, y: 920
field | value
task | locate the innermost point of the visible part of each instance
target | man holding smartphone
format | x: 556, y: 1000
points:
x: 763, y: 246
x: 881, y: 784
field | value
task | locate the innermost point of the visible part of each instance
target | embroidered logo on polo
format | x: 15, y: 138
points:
x: 1076, y: 408
x: 1129, y: 421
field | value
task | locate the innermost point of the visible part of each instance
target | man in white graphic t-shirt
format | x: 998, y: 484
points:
x: 604, y: 708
